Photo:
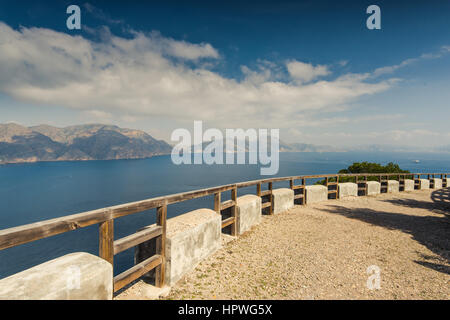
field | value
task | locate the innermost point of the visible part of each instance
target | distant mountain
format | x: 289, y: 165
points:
x: 284, y: 147
x: 306, y: 147
x: 82, y: 142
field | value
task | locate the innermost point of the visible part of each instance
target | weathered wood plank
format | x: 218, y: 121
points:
x: 106, y: 241
x: 136, y: 272
x: 137, y: 238
x: 227, y: 222
x: 161, y: 220
x: 234, y: 227
x: 217, y: 202
x: 227, y: 204
x: 265, y: 205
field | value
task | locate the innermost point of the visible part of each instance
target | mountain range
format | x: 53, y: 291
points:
x: 80, y: 142
x: 107, y: 142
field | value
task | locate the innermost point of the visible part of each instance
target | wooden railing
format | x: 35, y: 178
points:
x: 108, y: 247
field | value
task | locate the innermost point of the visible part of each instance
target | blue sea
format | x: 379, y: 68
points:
x: 45, y: 190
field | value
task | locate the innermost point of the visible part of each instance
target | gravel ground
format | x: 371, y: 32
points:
x: 323, y: 251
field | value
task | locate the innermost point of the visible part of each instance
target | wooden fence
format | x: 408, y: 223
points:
x: 108, y: 247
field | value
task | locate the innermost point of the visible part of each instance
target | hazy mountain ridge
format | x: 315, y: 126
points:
x: 81, y: 142
x: 283, y: 146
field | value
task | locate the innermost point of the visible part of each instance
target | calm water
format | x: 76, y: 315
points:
x: 34, y: 192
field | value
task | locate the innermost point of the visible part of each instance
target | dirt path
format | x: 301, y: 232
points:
x: 323, y: 251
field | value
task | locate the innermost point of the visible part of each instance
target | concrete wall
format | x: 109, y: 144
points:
x: 437, y: 183
x: 190, y: 238
x: 248, y: 211
x: 393, y: 186
x: 424, y: 184
x: 75, y: 276
x: 316, y: 193
x: 373, y: 188
x: 348, y: 189
x: 283, y: 199
x: 409, y: 185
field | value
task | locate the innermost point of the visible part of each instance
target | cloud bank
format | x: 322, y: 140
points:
x: 147, y: 74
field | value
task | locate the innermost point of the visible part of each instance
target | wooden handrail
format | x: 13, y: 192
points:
x: 15, y: 236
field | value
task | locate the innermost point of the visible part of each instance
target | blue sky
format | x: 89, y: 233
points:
x: 310, y: 68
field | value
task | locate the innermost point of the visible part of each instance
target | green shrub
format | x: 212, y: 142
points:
x: 367, y: 167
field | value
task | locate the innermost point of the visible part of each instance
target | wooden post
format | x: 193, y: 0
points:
x: 160, y: 271
x: 106, y: 241
x: 217, y: 202
x: 234, y: 226
x: 304, y: 191
x: 337, y: 187
x: 291, y: 184
x: 365, y: 186
x: 258, y: 189
x: 270, y: 199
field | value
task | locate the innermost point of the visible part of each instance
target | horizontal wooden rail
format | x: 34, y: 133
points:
x: 227, y: 204
x: 137, y: 238
x: 227, y: 222
x: 136, y: 272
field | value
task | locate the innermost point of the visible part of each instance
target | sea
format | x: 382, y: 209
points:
x: 38, y: 191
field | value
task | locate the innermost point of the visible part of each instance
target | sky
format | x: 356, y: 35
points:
x: 309, y: 68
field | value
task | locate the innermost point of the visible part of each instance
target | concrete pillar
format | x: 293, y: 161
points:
x: 75, y: 276
x: 249, y: 211
x: 424, y: 184
x: 190, y: 238
x: 283, y: 199
x: 373, y: 188
x: 409, y: 185
x: 393, y: 186
x: 348, y: 189
x: 316, y: 193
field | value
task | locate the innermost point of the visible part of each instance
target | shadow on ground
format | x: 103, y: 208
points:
x: 440, y: 202
x: 431, y: 231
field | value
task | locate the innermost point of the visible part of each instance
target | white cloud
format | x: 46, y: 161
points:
x: 148, y: 75
x: 305, y: 72
x: 186, y: 50
x: 390, y: 69
x: 101, y: 15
